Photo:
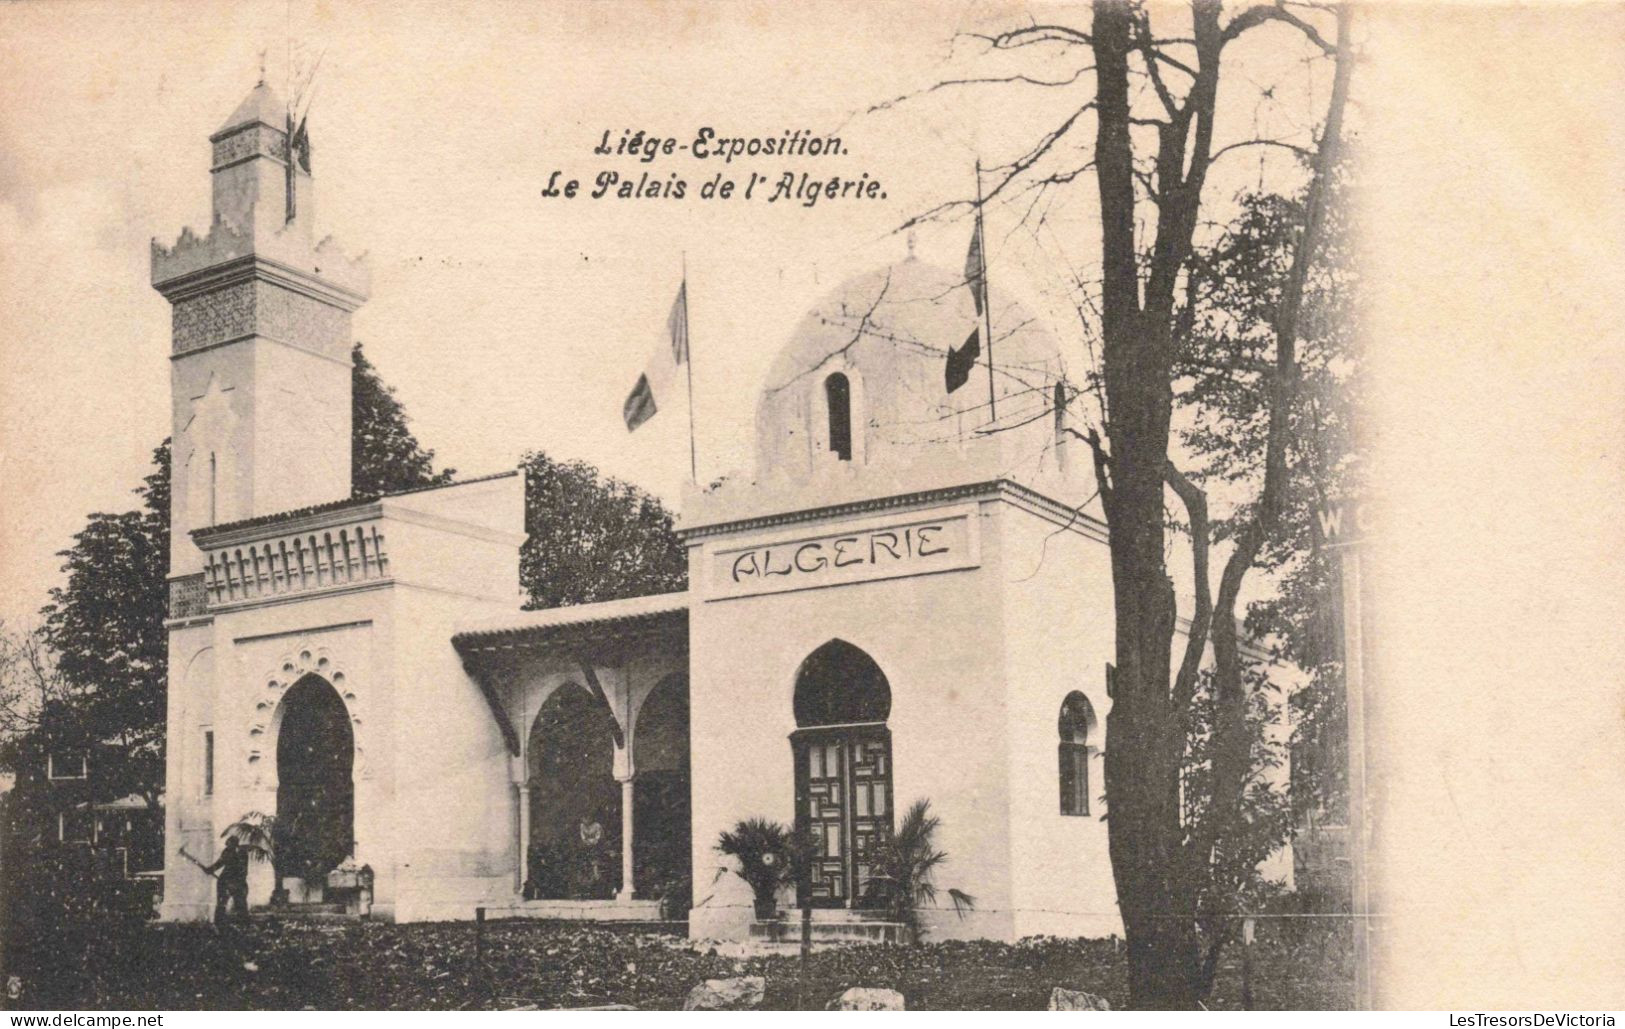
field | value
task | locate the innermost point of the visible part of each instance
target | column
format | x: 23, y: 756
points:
x: 523, y: 849
x: 626, y: 840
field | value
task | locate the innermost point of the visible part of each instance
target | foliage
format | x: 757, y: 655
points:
x: 34, y: 698
x: 384, y: 455
x: 378, y: 965
x: 1228, y: 881
x: 1223, y: 359
x: 766, y: 854
x: 105, y: 629
x: 254, y: 832
x: 592, y: 538
x: 905, y: 868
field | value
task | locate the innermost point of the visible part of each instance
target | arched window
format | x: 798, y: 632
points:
x: 1077, y: 718
x: 839, y: 684
x: 838, y: 397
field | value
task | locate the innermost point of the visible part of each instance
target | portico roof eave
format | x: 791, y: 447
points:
x: 585, y: 634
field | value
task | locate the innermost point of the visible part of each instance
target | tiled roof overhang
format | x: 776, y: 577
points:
x: 208, y: 533
x: 588, y: 633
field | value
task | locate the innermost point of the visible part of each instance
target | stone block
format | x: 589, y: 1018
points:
x: 1063, y: 999
x: 739, y: 994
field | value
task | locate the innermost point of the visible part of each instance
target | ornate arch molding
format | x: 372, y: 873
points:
x: 265, y: 718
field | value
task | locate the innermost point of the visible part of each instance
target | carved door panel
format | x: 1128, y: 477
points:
x: 869, y: 762
x: 843, y: 806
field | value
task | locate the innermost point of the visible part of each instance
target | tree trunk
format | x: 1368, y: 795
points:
x: 1142, y: 756
x: 1159, y: 876
x: 1232, y: 752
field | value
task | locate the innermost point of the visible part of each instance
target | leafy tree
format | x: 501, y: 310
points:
x: 105, y: 627
x: 592, y: 538
x: 1224, y: 358
x: 384, y: 455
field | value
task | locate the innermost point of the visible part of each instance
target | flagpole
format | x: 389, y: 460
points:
x: 688, y: 363
x: 987, y: 299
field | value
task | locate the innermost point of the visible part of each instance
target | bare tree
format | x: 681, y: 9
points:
x: 1158, y: 869
x: 29, y: 683
x: 1154, y: 110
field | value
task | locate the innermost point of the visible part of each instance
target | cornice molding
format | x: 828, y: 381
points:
x: 994, y: 489
x: 210, y: 538
x: 258, y: 267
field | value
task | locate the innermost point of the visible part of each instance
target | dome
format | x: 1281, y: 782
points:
x: 875, y: 350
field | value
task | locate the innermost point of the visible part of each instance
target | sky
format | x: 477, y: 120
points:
x: 506, y: 321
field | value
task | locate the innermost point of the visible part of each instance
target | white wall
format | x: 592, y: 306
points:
x: 1058, y: 595
x: 939, y: 638
x: 432, y: 814
x: 451, y: 827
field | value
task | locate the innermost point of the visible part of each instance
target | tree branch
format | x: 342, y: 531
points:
x: 1301, y: 151
x: 1255, y: 16
x: 1040, y: 34
x: 1195, y: 502
x: 1025, y: 80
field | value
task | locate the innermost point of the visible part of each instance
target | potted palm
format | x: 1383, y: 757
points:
x: 764, y: 851
x: 255, y: 832
x: 905, y: 868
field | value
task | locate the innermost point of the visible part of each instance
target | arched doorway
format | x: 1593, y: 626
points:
x: 843, y: 767
x: 315, y: 794
x: 660, y: 807
x: 575, y: 802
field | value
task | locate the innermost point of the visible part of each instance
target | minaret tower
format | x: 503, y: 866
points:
x: 260, y: 360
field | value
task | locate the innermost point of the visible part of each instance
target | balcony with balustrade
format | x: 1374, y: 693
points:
x: 316, y: 553
x: 454, y: 538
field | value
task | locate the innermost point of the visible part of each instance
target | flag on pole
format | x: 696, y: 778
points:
x: 962, y: 359
x: 658, y: 384
x: 976, y: 266
x: 299, y: 147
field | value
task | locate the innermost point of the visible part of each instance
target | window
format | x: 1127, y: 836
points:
x: 214, y: 484
x: 838, y: 395
x: 1077, y: 717
x: 74, y: 826
x: 208, y: 763
x: 67, y: 764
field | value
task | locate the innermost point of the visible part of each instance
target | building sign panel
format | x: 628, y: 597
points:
x: 886, y: 550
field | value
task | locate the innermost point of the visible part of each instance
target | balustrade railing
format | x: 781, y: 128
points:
x: 296, y: 563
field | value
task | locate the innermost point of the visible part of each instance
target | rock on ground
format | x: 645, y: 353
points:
x: 727, y: 994
x: 866, y: 998
x: 1063, y: 999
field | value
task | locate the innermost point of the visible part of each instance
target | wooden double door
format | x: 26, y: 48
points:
x: 843, y: 809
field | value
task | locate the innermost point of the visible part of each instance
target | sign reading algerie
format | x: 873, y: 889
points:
x: 885, y: 551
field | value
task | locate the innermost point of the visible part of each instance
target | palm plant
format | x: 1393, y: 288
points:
x: 905, y: 867
x: 255, y: 833
x: 765, y: 851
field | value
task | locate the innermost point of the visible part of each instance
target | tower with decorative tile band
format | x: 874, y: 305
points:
x: 260, y: 354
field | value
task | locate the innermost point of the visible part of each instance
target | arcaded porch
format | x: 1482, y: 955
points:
x: 593, y: 702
